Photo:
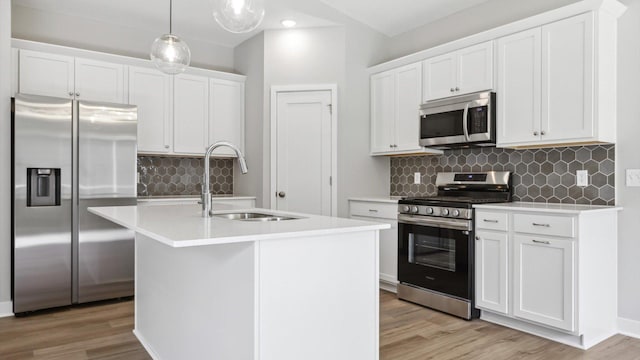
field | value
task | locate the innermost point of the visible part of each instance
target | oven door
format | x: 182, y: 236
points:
x: 437, y: 256
x: 468, y: 120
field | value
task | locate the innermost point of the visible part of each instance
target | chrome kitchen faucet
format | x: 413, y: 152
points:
x: 206, y: 195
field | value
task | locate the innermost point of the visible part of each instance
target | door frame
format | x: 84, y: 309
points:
x: 275, y: 90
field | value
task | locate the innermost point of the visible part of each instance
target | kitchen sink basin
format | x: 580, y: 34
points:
x: 254, y: 216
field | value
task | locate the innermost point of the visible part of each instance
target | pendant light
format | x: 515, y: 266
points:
x: 169, y: 53
x: 238, y: 16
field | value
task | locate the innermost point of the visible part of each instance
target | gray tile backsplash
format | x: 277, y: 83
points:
x: 164, y: 176
x: 539, y: 175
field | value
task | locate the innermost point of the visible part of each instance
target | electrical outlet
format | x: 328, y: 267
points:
x: 416, y: 178
x: 633, y: 177
x: 582, y: 178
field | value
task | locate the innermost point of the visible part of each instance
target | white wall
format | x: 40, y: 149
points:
x: 5, y: 152
x: 74, y: 31
x: 249, y: 60
x: 627, y: 158
x: 468, y: 22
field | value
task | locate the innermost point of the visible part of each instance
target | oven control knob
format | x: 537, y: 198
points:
x: 445, y: 212
x: 414, y: 209
x: 404, y: 209
x: 429, y: 211
x: 455, y: 213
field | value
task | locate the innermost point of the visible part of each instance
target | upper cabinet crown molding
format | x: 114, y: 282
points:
x: 613, y: 8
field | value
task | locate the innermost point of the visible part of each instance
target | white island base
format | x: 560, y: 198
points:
x: 286, y: 295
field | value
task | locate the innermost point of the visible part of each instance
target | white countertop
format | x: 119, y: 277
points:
x: 548, y: 208
x: 183, y: 226
x: 382, y: 199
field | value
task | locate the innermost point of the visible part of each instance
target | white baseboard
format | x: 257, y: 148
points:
x: 146, y: 346
x: 6, y: 309
x: 629, y: 327
x: 388, y: 283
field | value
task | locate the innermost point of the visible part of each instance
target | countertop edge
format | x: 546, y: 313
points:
x: 378, y: 199
x: 537, y: 207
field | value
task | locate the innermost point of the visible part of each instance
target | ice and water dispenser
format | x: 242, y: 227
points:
x: 43, y: 187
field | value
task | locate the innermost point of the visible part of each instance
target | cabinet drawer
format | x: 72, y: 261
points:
x: 491, y: 220
x: 544, y: 225
x: 373, y: 209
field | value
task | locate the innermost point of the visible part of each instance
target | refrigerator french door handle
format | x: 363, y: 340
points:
x: 75, y: 180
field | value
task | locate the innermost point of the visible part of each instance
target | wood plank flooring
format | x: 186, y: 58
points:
x: 407, y: 332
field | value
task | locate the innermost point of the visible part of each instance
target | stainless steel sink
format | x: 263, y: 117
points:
x: 254, y: 216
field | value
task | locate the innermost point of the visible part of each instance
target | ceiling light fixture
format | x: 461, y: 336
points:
x: 169, y: 53
x: 288, y: 23
x: 238, y: 16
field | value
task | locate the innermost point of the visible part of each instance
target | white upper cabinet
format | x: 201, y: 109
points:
x: 395, y: 117
x: 190, y: 114
x: 151, y: 91
x: 226, y: 114
x: 461, y: 72
x: 550, y: 90
x: 100, y: 81
x: 65, y: 76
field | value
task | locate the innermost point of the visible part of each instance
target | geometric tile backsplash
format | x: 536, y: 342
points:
x: 539, y: 175
x: 161, y: 176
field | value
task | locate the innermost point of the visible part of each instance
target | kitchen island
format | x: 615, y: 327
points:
x: 218, y: 288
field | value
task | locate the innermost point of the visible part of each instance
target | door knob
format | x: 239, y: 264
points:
x: 281, y: 194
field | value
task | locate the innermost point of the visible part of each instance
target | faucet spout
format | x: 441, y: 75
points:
x: 206, y: 195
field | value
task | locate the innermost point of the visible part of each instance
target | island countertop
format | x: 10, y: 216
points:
x: 183, y: 225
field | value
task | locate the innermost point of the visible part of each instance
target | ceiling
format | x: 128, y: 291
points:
x: 193, y: 19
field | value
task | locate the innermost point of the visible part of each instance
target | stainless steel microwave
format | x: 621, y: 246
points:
x: 461, y: 121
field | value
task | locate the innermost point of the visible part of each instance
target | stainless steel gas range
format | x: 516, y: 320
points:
x: 436, y: 240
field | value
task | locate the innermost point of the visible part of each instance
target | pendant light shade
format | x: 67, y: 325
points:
x: 238, y: 16
x: 169, y: 53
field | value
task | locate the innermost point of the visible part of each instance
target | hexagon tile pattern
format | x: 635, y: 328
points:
x: 539, y: 175
x: 163, y: 176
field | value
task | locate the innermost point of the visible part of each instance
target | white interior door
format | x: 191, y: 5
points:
x: 303, y: 152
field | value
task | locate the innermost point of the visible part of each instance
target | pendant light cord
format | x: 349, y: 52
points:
x: 170, y: 16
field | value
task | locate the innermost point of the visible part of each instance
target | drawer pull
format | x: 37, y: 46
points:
x: 544, y: 225
x: 541, y: 242
x: 373, y: 210
x: 490, y: 221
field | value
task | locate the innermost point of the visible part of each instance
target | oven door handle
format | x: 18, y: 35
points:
x: 454, y: 224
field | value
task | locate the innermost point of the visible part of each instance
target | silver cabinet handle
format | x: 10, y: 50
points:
x: 78, y: 94
x: 166, y: 146
x: 535, y: 133
x: 543, y: 225
x: 490, y: 221
x: 281, y: 194
x: 542, y: 133
x: 452, y: 89
x: 70, y: 93
x: 373, y: 210
x: 541, y: 242
x: 477, y: 237
x: 457, y: 88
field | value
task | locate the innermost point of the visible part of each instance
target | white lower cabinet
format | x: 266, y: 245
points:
x: 491, y: 270
x: 385, y: 212
x: 543, y: 281
x: 549, y: 273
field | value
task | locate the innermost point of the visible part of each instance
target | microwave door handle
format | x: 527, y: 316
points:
x: 465, y: 121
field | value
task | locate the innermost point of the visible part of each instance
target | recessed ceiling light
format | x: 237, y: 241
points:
x: 288, y: 23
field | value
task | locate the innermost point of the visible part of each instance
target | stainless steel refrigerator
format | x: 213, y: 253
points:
x: 68, y: 156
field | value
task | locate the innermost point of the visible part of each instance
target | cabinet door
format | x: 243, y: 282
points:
x: 439, y: 79
x: 567, y: 79
x: 99, y: 81
x: 408, y: 95
x: 383, y: 111
x: 46, y: 74
x: 475, y: 68
x: 190, y: 114
x: 519, y: 74
x: 226, y: 114
x: 544, y: 281
x: 151, y: 91
x: 491, y: 271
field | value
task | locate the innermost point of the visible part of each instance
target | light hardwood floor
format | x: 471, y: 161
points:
x: 407, y: 332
